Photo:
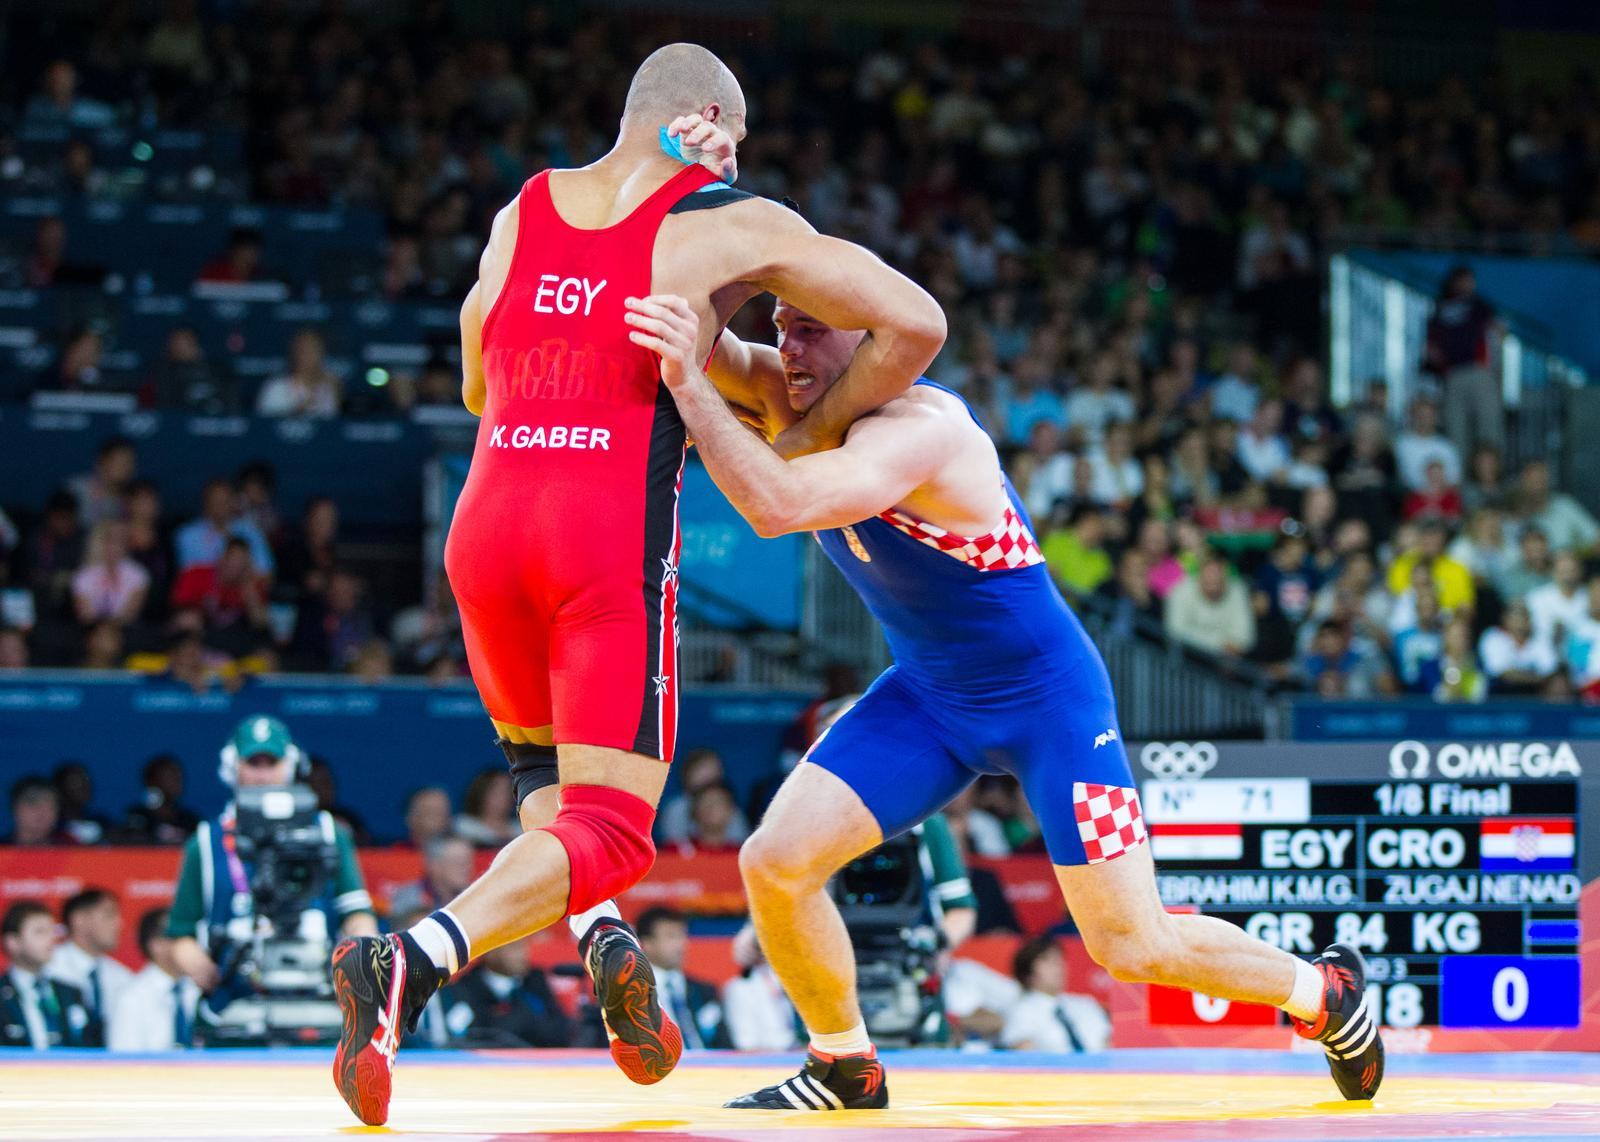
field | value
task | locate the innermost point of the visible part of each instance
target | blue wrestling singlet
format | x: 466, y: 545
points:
x: 993, y: 673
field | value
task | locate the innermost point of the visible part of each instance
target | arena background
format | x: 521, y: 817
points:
x: 1194, y: 256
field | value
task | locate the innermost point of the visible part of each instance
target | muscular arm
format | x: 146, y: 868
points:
x: 750, y: 378
x: 845, y: 286
x: 473, y: 390
x: 884, y: 458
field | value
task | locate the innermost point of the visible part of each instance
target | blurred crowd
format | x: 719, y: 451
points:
x: 104, y: 579
x: 1129, y: 258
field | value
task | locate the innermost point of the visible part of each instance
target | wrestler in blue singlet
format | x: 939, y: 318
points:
x: 993, y: 673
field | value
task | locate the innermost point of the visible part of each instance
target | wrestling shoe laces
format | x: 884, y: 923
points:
x: 645, y: 1042
x: 1346, y: 1028
x: 378, y: 998
x: 844, y: 1082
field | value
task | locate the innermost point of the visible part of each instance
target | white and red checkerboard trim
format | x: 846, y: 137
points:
x: 1009, y: 545
x: 1109, y: 819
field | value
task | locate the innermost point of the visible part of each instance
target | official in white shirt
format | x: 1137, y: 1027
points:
x: 1046, y: 1018
x: 93, y: 920
x: 155, y: 1012
x: 37, y: 1012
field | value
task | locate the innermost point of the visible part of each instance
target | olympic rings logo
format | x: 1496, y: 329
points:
x: 1180, y: 761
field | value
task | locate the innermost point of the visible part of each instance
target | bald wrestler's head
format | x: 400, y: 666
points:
x: 684, y: 79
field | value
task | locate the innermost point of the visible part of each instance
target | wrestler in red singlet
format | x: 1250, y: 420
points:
x: 564, y: 549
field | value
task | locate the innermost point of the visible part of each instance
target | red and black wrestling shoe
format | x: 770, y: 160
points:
x: 645, y: 1042
x: 844, y: 1082
x: 379, y: 999
x: 1346, y: 1029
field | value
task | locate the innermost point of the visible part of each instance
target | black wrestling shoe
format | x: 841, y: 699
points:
x: 1346, y: 1028
x: 378, y: 998
x: 645, y: 1042
x: 851, y: 1082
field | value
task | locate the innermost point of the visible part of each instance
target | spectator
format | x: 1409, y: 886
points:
x: 1236, y: 393
x: 1096, y: 403
x: 100, y: 491
x: 1485, y: 486
x: 240, y: 262
x: 1436, y: 499
x: 147, y: 544
x: 447, y: 869
x: 430, y: 632
x: 257, y: 487
x: 1419, y: 648
x: 74, y: 788
x: 713, y: 819
x: 1047, y: 1018
x: 232, y: 596
x: 160, y: 818
x: 1581, y: 645
x: 1357, y: 665
x: 1288, y: 580
x: 488, y: 815
x: 1135, y: 604
x: 78, y: 370
x: 758, y: 1014
x: 1262, y: 450
x: 155, y: 1012
x: 1032, y: 398
x: 1048, y: 467
x: 693, y: 1003
x: 110, y: 586
x: 1460, y: 338
x: 700, y: 768
x: 1118, y: 477
x: 92, y: 920
x: 13, y: 649
x: 1559, y: 605
x: 1211, y: 611
x: 982, y: 832
x: 1194, y: 482
x: 35, y: 813
x: 427, y: 816
x: 1421, y: 445
x: 58, y: 102
x: 103, y: 647
x: 1482, y: 549
x: 1460, y: 678
x: 330, y: 631
x: 322, y: 782
x: 505, y: 1002
x: 189, y: 664
x: 36, y: 1011
x: 308, y: 389
x: 184, y: 381
x: 310, y: 556
x: 202, y: 540
x: 1076, y: 554
x: 1561, y: 518
x: 1450, y: 578
x: 55, y: 552
x: 1532, y: 568
x: 1365, y: 475
x: 1515, y: 660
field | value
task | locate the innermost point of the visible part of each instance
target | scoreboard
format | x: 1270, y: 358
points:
x: 1461, y: 891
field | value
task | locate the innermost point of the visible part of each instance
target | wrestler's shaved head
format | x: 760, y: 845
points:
x: 682, y: 79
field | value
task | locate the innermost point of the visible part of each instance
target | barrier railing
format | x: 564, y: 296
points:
x: 1378, y: 331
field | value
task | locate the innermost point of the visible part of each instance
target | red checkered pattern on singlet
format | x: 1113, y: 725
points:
x: 1109, y: 820
x: 1009, y: 545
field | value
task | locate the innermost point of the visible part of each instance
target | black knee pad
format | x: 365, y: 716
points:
x: 533, y: 767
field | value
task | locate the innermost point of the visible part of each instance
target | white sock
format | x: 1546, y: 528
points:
x: 441, y: 936
x: 1308, y: 994
x: 583, y: 921
x: 851, y: 1042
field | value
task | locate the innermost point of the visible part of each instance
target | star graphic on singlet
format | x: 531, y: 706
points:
x: 662, y: 682
x: 671, y: 571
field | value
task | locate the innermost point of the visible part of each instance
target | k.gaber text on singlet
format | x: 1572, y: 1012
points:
x: 556, y: 436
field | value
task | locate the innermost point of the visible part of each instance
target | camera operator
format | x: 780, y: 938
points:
x: 227, y: 904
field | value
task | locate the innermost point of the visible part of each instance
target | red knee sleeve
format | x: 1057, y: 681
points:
x: 606, y: 833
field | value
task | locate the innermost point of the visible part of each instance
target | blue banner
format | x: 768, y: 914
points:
x: 381, y: 742
x: 1314, y: 720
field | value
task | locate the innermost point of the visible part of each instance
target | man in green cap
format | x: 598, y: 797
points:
x: 214, y: 908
